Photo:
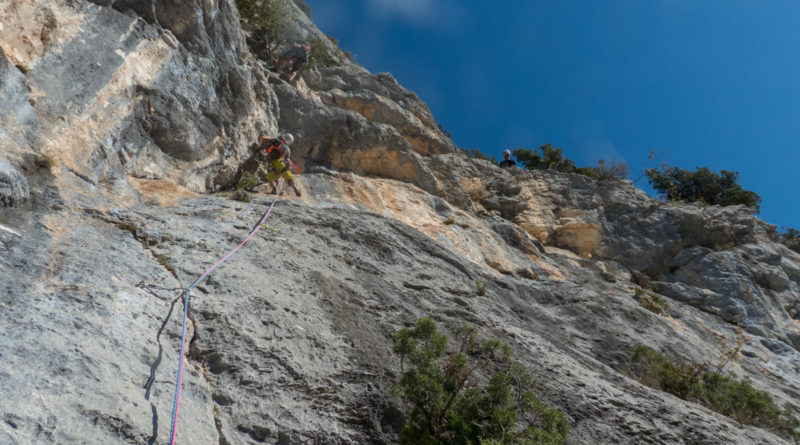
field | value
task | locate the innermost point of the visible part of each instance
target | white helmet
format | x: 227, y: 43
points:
x: 289, y: 138
x: 507, y: 153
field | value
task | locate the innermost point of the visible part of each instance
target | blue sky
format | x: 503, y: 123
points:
x: 711, y: 83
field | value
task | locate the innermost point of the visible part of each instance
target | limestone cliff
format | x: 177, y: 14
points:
x: 123, y: 126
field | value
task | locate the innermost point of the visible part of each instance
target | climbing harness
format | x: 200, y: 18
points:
x: 299, y: 172
x: 176, y: 402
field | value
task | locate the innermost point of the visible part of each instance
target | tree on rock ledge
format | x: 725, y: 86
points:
x: 450, y: 407
x: 702, y: 185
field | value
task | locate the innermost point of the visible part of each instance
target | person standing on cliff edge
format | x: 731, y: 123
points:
x: 507, y: 162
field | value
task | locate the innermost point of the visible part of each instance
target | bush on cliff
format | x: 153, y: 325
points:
x: 791, y: 239
x: 449, y: 407
x: 552, y: 158
x: 701, y: 185
x: 320, y: 57
x: 475, y: 153
x: 705, y: 384
x: 265, y: 24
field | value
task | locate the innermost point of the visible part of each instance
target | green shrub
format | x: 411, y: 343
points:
x: 605, y: 170
x: 652, y: 301
x: 265, y: 24
x: 162, y: 259
x: 44, y: 161
x: 240, y: 195
x: 734, y: 398
x: 701, y: 185
x: 444, y: 131
x: 552, y: 158
x: 478, y: 154
x: 320, y: 55
x: 128, y: 227
x: 166, y: 262
x: 480, y: 287
x: 549, y: 159
x: 791, y: 239
x: 449, y: 407
x: 247, y: 181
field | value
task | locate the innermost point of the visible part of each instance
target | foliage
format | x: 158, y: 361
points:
x: 44, y: 161
x: 652, y: 156
x: 791, y: 239
x: 166, y: 262
x: 303, y: 7
x: 448, y: 407
x: 698, y: 383
x: 480, y: 287
x: 349, y: 54
x: 38, y: 162
x: 320, y: 56
x: 128, y: 227
x: 444, y: 131
x: 247, y: 181
x: 550, y: 159
x: 605, y: 170
x: 162, y: 259
x: 240, y: 195
x: 478, y: 154
x: 652, y: 301
x: 264, y: 23
x: 701, y: 185
x: 790, y: 234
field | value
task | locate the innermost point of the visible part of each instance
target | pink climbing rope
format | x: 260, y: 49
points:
x: 186, y: 309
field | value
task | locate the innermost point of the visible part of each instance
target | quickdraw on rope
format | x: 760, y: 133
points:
x: 253, y: 231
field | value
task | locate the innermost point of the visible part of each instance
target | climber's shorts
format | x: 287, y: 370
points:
x: 278, y: 165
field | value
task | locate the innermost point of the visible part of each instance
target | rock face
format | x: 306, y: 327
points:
x: 379, y: 98
x: 154, y: 93
x: 13, y: 186
x: 114, y: 145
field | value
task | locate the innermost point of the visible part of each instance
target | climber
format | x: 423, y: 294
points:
x: 507, y: 161
x: 294, y: 59
x: 278, y: 161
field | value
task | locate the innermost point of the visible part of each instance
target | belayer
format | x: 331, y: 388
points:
x: 293, y: 59
x: 278, y: 161
x: 507, y: 162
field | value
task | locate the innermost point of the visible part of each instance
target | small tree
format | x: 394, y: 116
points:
x: 550, y: 159
x: 449, y: 407
x: 606, y: 170
x: 702, y: 185
x: 320, y: 57
x: 264, y: 23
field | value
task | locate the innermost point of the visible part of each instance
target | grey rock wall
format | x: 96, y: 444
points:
x: 119, y: 119
x: 290, y: 340
x: 14, y: 189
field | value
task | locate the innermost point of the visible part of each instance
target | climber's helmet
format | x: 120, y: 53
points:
x: 289, y: 138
